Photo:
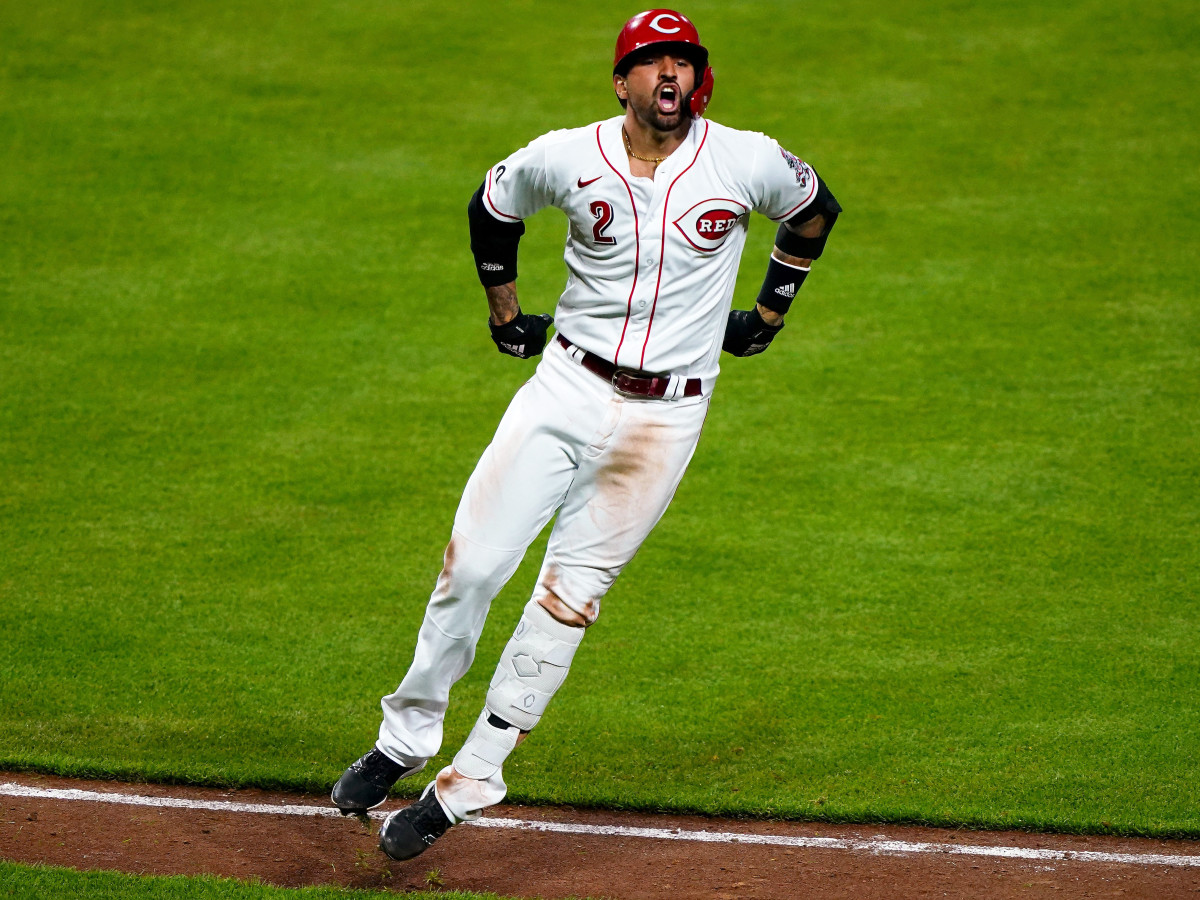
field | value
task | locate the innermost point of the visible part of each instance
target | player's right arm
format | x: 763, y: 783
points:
x: 513, y: 190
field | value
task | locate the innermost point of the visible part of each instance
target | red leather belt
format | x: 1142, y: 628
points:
x: 631, y: 381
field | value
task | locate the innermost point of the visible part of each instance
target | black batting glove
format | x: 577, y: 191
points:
x: 746, y: 333
x: 524, y: 337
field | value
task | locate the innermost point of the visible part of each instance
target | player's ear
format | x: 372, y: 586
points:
x: 621, y: 89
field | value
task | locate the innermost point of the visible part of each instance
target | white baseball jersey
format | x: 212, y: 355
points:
x: 651, y: 262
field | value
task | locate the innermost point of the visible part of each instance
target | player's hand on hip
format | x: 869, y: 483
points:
x: 524, y: 336
x: 747, y: 334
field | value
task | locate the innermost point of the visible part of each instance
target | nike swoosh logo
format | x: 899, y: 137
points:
x: 584, y: 184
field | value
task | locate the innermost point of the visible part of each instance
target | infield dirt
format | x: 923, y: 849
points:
x: 294, y: 851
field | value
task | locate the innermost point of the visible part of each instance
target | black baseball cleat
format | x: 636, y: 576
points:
x: 410, y: 831
x: 366, y: 783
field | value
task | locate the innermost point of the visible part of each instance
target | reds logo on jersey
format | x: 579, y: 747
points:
x: 707, y: 224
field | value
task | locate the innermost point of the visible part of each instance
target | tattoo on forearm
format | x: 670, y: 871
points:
x: 502, y: 302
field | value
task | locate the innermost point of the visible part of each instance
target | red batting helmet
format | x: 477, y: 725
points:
x: 665, y: 26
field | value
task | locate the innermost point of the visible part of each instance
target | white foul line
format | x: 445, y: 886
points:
x: 876, y: 845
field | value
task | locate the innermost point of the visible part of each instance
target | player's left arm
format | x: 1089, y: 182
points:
x: 799, y: 240
x: 769, y: 296
x: 750, y: 331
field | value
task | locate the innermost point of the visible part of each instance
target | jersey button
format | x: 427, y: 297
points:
x: 641, y: 304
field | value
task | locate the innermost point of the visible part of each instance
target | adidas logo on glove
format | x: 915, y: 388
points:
x: 787, y: 290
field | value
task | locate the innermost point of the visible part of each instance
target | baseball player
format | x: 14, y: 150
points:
x: 657, y: 202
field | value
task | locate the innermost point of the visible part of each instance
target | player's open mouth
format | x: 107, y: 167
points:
x: 668, y: 98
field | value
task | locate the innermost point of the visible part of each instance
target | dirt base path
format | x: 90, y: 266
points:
x: 591, y: 854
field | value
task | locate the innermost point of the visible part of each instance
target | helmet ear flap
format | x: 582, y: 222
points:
x: 697, y: 100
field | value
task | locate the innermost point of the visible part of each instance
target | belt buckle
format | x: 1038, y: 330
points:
x: 632, y: 375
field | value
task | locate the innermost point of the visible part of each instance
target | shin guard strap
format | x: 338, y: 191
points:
x: 486, y: 749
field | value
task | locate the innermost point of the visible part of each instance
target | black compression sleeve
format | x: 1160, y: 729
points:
x: 493, y: 243
x: 824, y: 204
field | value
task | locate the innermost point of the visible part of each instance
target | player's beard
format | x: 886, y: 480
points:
x: 662, y: 123
x: 650, y: 114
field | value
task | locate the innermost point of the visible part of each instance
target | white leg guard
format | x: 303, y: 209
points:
x: 532, y: 667
x: 475, y: 781
x: 486, y: 749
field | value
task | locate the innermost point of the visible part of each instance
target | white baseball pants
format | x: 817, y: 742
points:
x: 608, y: 464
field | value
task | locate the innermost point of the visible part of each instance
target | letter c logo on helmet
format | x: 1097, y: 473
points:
x: 654, y: 23
x: 675, y: 31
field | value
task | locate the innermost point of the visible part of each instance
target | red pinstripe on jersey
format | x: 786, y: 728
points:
x: 637, y: 250
x: 662, y: 249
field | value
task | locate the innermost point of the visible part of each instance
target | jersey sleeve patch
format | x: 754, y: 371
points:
x: 803, y: 171
x: 783, y: 183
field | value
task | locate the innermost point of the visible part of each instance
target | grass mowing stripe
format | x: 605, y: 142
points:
x: 18, y: 882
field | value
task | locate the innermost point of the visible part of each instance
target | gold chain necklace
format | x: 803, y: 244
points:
x: 629, y: 149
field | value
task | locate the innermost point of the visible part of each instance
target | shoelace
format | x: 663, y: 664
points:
x: 429, y: 822
x: 378, y: 769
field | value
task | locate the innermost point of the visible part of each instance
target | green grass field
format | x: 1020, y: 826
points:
x: 935, y: 560
x: 40, y: 882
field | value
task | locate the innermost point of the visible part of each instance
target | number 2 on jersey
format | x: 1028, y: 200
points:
x: 603, y: 213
